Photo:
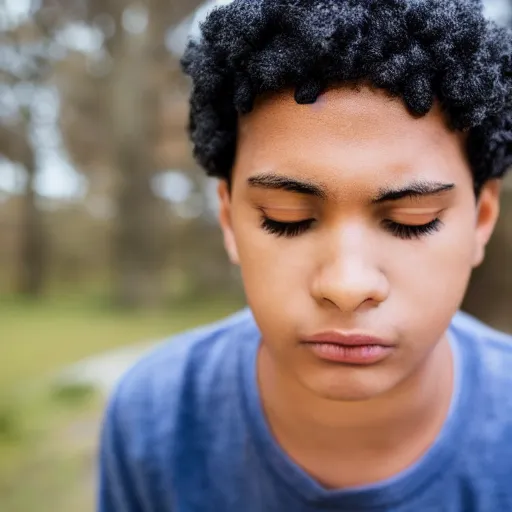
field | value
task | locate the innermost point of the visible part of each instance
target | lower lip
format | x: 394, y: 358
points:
x: 359, y: 354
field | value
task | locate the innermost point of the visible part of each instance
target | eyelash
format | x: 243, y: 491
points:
x: 287, y: 229
x: 406, y: 232
x: 402, y: 231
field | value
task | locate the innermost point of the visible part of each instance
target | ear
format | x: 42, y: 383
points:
x: 488, y: 209
x: 224, y: 195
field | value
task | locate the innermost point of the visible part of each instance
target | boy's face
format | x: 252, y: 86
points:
x: 327, y: 239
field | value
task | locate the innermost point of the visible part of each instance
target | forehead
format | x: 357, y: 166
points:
x: 348, y: 134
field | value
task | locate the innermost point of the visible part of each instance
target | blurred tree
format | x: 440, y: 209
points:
x: 15, y: 146
x: 123, y: 112
x: 25, y: 61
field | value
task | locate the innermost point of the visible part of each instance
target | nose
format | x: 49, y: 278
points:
x: 349, y: 274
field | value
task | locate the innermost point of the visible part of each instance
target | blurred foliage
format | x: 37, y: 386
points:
x: 10, y: 429
x: 49, y: 463
x: 101, y: 78
x: 72, y: 393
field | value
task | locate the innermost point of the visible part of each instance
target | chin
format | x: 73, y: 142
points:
x: 348, y: 388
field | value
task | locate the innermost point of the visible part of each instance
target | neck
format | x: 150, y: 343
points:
x: 387, y: 433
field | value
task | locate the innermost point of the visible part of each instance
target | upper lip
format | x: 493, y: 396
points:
x: 348, y: 339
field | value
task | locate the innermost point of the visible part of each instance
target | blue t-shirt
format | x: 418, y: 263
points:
x: 185, y: 432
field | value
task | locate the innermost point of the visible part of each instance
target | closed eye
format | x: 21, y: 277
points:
x: 408, y: 232
x: 288, y: 229
x: 402, y: 231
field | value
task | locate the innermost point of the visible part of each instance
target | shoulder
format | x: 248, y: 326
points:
x: 156, y: 405
x: 184, y: 373
x: 494, y: 347
x: 173, y: 363
x: 489, y: 352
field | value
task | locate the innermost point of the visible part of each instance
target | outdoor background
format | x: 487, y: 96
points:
x: 108, y: 236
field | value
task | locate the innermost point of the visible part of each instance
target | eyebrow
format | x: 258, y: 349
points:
x: 412, y: 190
x: 278, y: 182
x: 274, y: 181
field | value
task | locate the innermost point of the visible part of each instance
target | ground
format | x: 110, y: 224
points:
x: 58, y: 361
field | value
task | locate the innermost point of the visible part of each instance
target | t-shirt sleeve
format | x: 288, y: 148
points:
x: 117, y: 487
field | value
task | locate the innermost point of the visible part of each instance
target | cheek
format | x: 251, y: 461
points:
x: 272, y: 290
x: 444, y: 258
x: 430, y: 277
x: 274, y: 266
x: 275, y: 278
x: 266, y: 260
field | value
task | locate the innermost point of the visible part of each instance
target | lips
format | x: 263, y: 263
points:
x: 353, y: 348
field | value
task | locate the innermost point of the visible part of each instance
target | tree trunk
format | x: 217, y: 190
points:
x: 136, y: 85
x: 138, y: 239
x: 31, y: 266
x: 137, y: 248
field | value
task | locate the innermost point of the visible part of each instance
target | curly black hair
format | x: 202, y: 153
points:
x: 418, y: 50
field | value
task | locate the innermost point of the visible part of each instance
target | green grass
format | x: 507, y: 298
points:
x: 40, y: 337
x: 52, y: 455
x: 48, y: 435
